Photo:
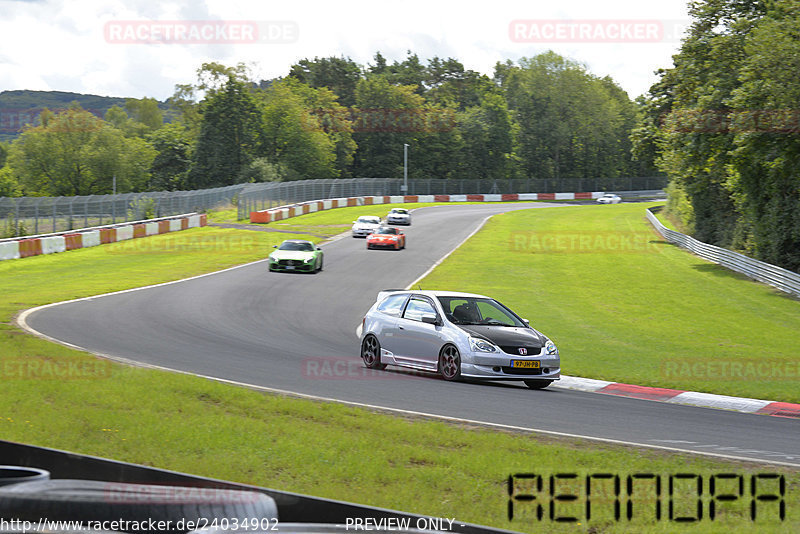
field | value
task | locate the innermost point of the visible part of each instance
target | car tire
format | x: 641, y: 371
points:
x: 371, y: 353
x: 450, y: 363
x: 538, y: 384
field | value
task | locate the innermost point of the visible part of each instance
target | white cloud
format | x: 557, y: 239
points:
x: 57, y: 45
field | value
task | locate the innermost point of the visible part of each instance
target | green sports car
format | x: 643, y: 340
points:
x: 296, y: 255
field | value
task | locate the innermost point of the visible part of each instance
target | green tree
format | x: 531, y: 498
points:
x: 323, y: 110
x: 145, y: 111
x: 229, y: 135
x: 170, y: 168
x: 117, y: 117
x: 75, y: 153
x: 3, y: 154
x: 184, y: 108
x: 487, y: 131
x: 293, y: 139
x: 450, y: 84
x: 211, y: 77
x: 339, y: 74
x: 572, y: 124
x: 693, y: 139
x: 9, y: 185
x: 764, y: 174
x: 386, y: 117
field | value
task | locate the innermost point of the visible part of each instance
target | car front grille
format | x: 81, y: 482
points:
x: 514, y: 349
x: 520, y: 371
x: 290, y: 262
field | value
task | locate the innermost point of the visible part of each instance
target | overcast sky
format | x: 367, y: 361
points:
x: 99, y: 46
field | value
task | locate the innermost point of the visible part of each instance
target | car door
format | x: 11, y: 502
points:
x: 387, y: 316
x: 418, y: 342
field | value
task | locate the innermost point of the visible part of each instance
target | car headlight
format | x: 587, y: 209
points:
x: 482, y: 345
x: 309, y: 260
x: 550, y: 348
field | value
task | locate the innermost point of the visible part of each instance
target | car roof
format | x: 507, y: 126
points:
x: 430, y: 293
x: 296, y: 241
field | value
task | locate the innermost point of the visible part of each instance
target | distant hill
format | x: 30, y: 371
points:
x: 18, y: 108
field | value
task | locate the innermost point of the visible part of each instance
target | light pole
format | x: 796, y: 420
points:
x: 405, y: 168
x: 113, y: 198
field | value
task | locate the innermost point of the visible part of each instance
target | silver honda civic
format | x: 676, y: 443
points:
x: 457, y: 335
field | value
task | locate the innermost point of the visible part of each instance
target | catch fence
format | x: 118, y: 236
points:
x: 38, y: 215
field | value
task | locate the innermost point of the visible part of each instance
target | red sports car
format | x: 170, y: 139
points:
x: 386, y: 237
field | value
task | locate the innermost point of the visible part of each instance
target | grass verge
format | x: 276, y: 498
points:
x: 194, y: 425
x: 623, y: 305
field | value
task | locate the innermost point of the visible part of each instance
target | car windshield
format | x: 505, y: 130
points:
x: 386, y: 230
x: 478, y: 311
x: 296, y: 245
x: 369, y: 220
x: 399, y: 211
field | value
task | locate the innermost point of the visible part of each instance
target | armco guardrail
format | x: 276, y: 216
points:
x: 767, y: 273
x: 23, y: 247
x: 293, y: 210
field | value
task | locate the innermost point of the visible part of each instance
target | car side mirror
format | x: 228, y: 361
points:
x: 430, y: 319
x: 527, y: 322
x: 274, y: 246
x: 319, y: 248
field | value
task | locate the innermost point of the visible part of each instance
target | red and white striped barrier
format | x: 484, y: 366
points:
x: 285, y: 212
x: 24, y: 247
x: 676, y: 396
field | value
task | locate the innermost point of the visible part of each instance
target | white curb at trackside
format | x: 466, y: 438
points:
x: 709, y: 400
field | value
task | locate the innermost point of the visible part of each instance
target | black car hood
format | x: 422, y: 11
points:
x: 506, y: 335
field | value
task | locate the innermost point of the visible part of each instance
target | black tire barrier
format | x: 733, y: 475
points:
x: 155, y: 508
x: 12, y: 474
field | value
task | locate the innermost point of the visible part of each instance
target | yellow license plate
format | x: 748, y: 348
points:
x: 525, y: 364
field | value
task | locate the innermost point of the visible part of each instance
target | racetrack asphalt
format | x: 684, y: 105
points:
x: 296, y: 333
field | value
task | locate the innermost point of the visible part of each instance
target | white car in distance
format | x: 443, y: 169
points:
x: 399, y: 216
x: 365, y: 225
x: 609, y: 198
